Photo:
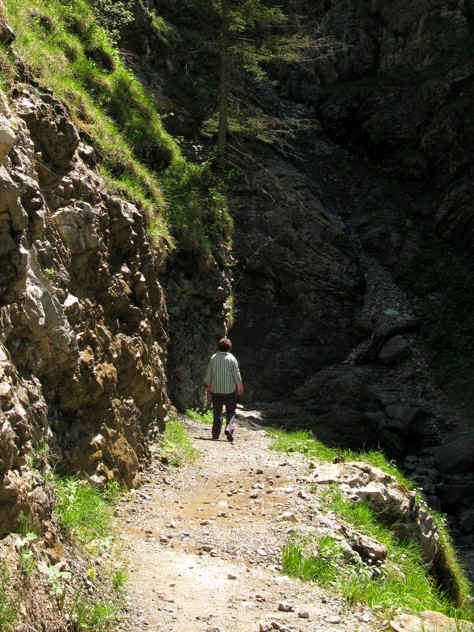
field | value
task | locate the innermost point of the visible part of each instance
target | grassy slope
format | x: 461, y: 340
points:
x: 69, y: 52
x: 404, y: 581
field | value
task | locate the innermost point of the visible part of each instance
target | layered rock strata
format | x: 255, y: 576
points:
x: 83, y: 320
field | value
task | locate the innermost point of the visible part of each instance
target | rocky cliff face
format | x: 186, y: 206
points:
x: 84, y: 324
x: 393, y: 158
x: 400, y: 94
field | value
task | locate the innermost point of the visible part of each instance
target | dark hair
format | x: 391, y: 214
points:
x: 224, y: 344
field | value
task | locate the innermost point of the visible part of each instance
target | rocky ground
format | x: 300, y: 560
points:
x: 204, y: 543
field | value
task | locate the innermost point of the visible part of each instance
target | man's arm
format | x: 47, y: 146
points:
x: 238, y: 378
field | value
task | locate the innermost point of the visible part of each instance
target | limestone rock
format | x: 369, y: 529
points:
x: 78, y: 226
x: 429, y: 622
x: 296, y: 252
x: 368, y: 548
x: 83, y: 318
x: 50, y: 125
x: 7, y: 137
x: 361, y: 481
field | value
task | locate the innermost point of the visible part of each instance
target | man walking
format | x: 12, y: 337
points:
x: 223, y: 382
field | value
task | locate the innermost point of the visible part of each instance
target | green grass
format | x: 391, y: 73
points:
x: 119, y: 577
x: 402, y: 582
x: 406, y: 580
x: 85, y: 513
x: 321, y: 567
x: 71, y: 53
x: 198, y: 213
x: 84, y: 510
x: 306, y: 442
x: 174, y: 446
x: 450, y: 569
x: 96, y: 617
x: 202, y: 417
x: 8, y: 611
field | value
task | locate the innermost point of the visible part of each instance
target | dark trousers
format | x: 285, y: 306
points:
x: 218, y: 401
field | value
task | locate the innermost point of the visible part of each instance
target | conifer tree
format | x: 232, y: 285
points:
x: 243, y: 24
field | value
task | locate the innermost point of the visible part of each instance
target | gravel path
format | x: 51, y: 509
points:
x: 204, y: 541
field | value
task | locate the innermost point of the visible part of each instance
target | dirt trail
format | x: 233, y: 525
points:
x: 204, y: 544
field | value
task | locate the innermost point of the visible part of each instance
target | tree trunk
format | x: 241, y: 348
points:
x: 223, y: 81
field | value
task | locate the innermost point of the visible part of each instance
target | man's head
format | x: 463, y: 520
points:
x: 224, y: 344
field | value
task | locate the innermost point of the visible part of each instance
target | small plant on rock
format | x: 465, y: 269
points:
x: 119, y: 577
x: 57, y: 579
x: 26, y: 557
x: 93, y: 617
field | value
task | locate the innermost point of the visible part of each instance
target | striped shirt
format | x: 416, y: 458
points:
x: 223, y: 373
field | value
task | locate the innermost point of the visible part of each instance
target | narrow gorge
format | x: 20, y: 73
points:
x: 333, y: 243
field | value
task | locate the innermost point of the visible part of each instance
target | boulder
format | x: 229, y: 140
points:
x: 363, y: 482
x: 394, y: 350
x: 369, y: 549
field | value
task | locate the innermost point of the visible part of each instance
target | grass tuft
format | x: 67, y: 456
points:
x: 174, y: 445
x: 85, y: 510
x: 8, y: 610
x: 306, y: 442
x: 96, y: 617
x: 203, y: 417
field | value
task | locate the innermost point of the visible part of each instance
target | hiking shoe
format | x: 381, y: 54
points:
x: 230, y: 436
